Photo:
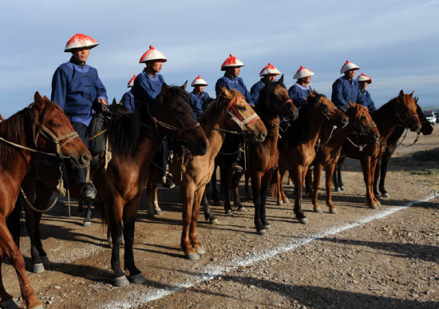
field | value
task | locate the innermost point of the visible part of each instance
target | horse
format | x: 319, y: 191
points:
x: 134, y: 140
x: 391, y: 145
x: 399, y: 111
x: 329, y: 149
x: 41, y: 128
x: 297, y: 146
x: 229, y: 112
x: 262, y: 158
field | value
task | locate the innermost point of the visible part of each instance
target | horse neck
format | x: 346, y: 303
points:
x: 385, y: 120
x: 214, y: 136
x: 312, y: 134
x: 336, y: 137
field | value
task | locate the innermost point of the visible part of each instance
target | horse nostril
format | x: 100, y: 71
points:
x: 376, y: 136
x: 85, y: 158
x: 344, y: 120
x: 262, y: 136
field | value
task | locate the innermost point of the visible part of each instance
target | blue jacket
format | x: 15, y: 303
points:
x: 128, y: 101
x: 256, y: 89
x: 368, y: 101
x: 344, y: 91
x: 75, y: 88
x: 298, y: 94
x: 232, y: 82
x: 198, y: 102
x: 146, y: 88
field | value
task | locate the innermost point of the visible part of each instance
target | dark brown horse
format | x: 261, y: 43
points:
x: 262, y: 158
x: 43, y: 128
x: 393, y: 142
x: 331, y: 142
x: 399, y: 111
x: 297, y: 147
x: 134, y: 141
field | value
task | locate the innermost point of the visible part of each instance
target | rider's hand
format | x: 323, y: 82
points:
x: 103, y: 101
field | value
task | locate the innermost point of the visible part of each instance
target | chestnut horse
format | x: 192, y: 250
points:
x: 331, y: 142
x: 40, y: 128
x: 297, y: 146
x: 229, y: 112
x: 400, y: 110
x: 391, y: 145
x: 262, y: 158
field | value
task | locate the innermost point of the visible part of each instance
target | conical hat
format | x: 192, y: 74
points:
x: 364, y: 78
x: 269, y: 70
x: 131, y: 82
x: 303, y: 72
x: 231, y: 62
x: 198, y: 81
x: 152, y: 54
x: 348, y: 66
x: 80, y: 41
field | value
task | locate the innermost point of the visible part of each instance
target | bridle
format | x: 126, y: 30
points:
x: 242, y: 122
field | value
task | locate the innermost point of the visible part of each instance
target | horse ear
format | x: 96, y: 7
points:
x: 225, y: 92
x: 411, y: 94
x: 401, y: 93
x: 165, y: 90
x: 114, y: 101
x: 184, y: 86
x: 281, y: 79
x: 39, y: 103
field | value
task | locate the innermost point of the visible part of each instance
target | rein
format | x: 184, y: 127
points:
x: 405, y: 134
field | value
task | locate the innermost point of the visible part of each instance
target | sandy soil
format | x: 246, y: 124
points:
x: 359, y: 258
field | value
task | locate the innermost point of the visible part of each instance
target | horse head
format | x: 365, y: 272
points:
x: 242, y: 115
x: 426, y: 126
x: 274, y: 101
x: 361, y: 122
x: 326, y: 110
x: 176, y: 119
x: 406, y: 111
x: 53, y: 132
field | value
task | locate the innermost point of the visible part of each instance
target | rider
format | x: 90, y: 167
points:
x: 299, y: 92
x: 268, y: 74
x: 75, y: 88
x: 128, y: 97
x: 346, y: 89
x: 147, y: 86
x: 199, y: 98
x: 364, y: 80
x: 231, y: 80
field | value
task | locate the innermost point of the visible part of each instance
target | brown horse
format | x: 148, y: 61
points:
x: 44, y: 128
x: 229, y: 112
x: 400, y: 110
x: 297, y: 147
x: 332, y: 140
x: 262, y: 158
x: 394, y: 142
x: 134, y: 140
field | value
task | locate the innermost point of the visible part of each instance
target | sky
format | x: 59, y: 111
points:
x: 395, y: 42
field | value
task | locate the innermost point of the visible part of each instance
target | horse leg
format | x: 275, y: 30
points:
x: 384, y: 163
x: 87, y: 218
x: 309, y: 181
x: 264, y: 191
x: 6, y: 299
x: 282, y: 194
x: 375, y: 179
x: 315, y: 194
x: 235, y: 187
x: 246, y: 187
x: 187, y: 197
x: 329, y: 172
x: 157, y: 210
x: 206, y: 209
x: 13, y: 222
x: 367, y: 175
x: 215, y: 193
x: 13, y: 253
x: 193, y: 227
x: 298, y: 178
x: 226, y: 179
x: 150, y: 200
x: 256, y: 190
x: 373, y: 165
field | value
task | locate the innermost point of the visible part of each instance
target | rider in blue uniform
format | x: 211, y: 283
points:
x: 147, y: 86
x: 231, y: 80
x: 128, y: 97
x: 199, y: 98
x: 75, y: 88
x: 346, y: 89
x: 365, y: 80
x: 299, y: 92
x: 268, y: 74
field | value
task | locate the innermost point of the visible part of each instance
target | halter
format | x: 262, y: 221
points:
x: 398, y: 115
x: 243, y: 123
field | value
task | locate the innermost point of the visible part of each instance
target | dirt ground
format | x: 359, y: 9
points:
x: 358, y: 258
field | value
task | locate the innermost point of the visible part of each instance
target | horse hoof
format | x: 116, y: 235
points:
x: 337, y: 189
x: 121, y: 281
x: 214, y: 221
x: 262, y: 232
x: 286, y: 201
x: 229, y: 212
x: 267, y: 227
x: 38, y: 268
x: 318, y: 210
x: 192, y: 256
x: 86, y: 224
x: 242, y: 208
x: 158, y: 212
x: 290, y: 183
x: 138, y: 279
x: 9, y: 304
x: 342, y: 188
x: 385, y: 194
x: 333, y: 211
x: 280, y: 203
x: 374, y: 206
x: 200, y: 250
x: 304, y: 221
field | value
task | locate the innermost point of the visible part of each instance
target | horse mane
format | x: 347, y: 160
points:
x: 13, y: 129
x: 210, y: 116
x: 260, y: 107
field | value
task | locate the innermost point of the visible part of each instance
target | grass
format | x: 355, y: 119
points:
x: 426, y: 172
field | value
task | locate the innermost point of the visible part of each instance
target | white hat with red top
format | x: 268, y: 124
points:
x: 269, y: 70
x: 303, y: 72
x: 364, y: 78
x: 198, y: 81
x: 131, y: 82
x: 80, y: 41
x: 152, y: 54
x: 348, y: 66
x: 231, y: 62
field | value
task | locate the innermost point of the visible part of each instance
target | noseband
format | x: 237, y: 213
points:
x: 243, y: 123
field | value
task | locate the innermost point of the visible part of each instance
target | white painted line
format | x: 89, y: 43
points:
x: 211, y: 272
